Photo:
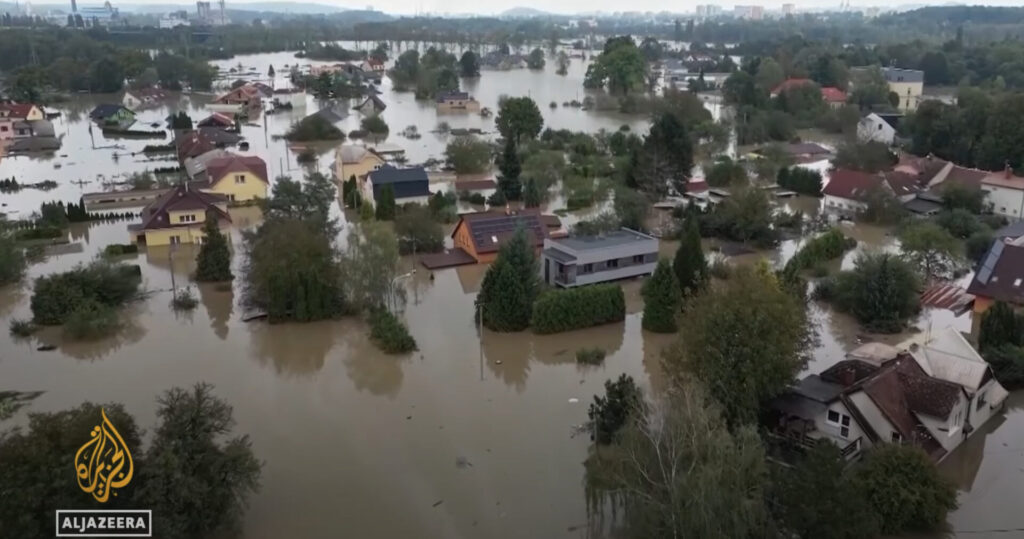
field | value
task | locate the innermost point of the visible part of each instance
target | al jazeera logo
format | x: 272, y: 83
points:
x: 103, y: 465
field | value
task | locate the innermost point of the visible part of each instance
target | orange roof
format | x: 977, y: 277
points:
x: 833, y: 94
x: 1004, y: 178
x: 218, y: 167
x: 17, y: 110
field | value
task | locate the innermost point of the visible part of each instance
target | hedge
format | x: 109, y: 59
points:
x: 575, y: 308
x: 389, y: 334
x: 828, y: 246
x: 57, y: 295
x: 117, y: 249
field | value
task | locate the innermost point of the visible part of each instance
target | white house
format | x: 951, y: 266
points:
x: 1004, y: 192
x: 878, y: 128
x: 932, y: 391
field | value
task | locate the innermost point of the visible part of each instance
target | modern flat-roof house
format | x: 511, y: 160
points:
x: 409, y: 184
x: 457, y: 102
x: 481, y: 234
x: 581, y: 260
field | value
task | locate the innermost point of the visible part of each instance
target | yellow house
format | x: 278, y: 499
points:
x: 178, y: 217
x: 908, y: 84
x: 355, y: 161
x: 21, y: 111
x: 239, y: 178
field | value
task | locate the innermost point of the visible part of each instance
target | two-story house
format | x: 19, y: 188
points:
x: 908, y: 84
x: 178, y: 217
x: 457, y: 102
x: 239, y: 178
x: 580, y: 260
x: 21, y: 111
x: 408, y: 184
x: 351, y: 160
x: 480, y: 234
x: 1004, y: 193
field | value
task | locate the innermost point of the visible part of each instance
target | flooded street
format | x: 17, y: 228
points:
x: 361, y: 444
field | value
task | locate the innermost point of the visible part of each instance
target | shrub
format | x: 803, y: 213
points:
x: 801, y: 180
x: 38, y: 233
x: 590, y: 356
x: 91, y: 319
x: 575, y: 308
x: 118, y: 249
x: 905, y: 489
x: 881, y: 292
x: 389, y: 334
x: 978, y: 244
x: 57, y: 295
x: 184, y: 300
x: 610, y: 413
x: 1007, y: 363
x: 828, y: 246
x: 959, y: 222
x: 417, y: 231
x: 472, y: 198
x: 12, y: 259
x: 313, y: 127
x: 22, y: 328
x: 720, y: 269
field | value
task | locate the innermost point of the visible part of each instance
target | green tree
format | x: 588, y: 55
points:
x: 631, y: 208
x: 375, y: 125
x: 868, y: 157
x: 469, y: 64
x: 518, y: 118
x: 746, y: 340
x: 535, y: 60
x: 881, y: 291
x: 371, y: 267
x: 12, y: 259
x: 690, y: 266
x: 385, y: 210
x: 531, y: 194
x: 769, y: 74
x: 668, y: 452
x: 562, y: 61
x: 106, y: 76
x: 931, y: 248
x: 196, y: 479
x: 620, y: 67
x: 608, y: 414
x: 818, y: 498
x: 665, y: 158
x: 725, y: 172
x: 905, y: 489
x: 510, y: 165
x: 661, y: 299
x: 214, y: 260
x: 510, y: 286
x: 999, y: 326
x: 308, y: 201
x: 39, y: 460
x: 468, y: 155
x: 417, y: 231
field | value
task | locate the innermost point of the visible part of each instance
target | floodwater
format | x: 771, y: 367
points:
x: 358, y: 443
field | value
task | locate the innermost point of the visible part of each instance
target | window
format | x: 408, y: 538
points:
x: 833, y: 416
x: 840, y: 420
x: 187, y: 218
x: 613, y: 263
x: 638, y: 259
x: 175, y: 240
x: 231, y: 197
x: 239, y: 178
x: 896, y: 438
x: 587, y: 268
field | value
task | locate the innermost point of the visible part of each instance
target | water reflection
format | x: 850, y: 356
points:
x: 218, y: 300
x: 129, y: 332
x: 293, y: 349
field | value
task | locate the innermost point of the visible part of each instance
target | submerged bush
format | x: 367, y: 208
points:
x: 590, y: 356
x: 118, y: 249
x: 91, y: 320
x: 57, y: 295
x: 22, y: 328
x: 184, y: 300
x: 564, y: 310
x: 389, y: 334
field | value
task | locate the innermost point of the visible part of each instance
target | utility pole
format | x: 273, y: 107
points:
x: 480, y: 322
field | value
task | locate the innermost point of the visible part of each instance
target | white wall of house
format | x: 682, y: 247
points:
x: 948, y: 432
x: 872, y: 128
x: 130, y: 101
x: 1004, y: 201
x: 874, y: 416
x: 981, y: 414
x: 841, y: 429
x: 843, y: 206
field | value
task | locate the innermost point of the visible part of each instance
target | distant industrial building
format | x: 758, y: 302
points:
x: 104, y: 15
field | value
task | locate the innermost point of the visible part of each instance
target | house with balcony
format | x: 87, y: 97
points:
x: 581, y: 260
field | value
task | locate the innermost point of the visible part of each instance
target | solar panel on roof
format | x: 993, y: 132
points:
x: 990, y: 262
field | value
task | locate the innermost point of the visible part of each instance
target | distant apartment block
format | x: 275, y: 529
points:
x: 581, y: 260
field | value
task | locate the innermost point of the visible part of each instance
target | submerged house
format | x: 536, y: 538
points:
x: 371, y: 106
x: 178, y: 217
x: 239, y: 178
x: 481, y: 234
x: 581, y: 260
x: 351, y: 160
x: 143, y: 97
x: 457, y: 102
x: 931, y: 392
x: 109, y: 114
x: 218, y: 120
x: 408, y: 184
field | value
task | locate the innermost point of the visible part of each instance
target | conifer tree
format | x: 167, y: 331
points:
x: 214, y: 261
x: 690, y: 266
x: 661, y: 300
x: 386, y: 204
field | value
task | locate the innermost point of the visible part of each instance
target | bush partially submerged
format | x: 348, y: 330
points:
x: 57, y: 295
x: 22, y: 328
x: 91, y: 320
x: 184, y: 300
x: 389, y: 334
x: 564, y: 310
x: 590, y: 356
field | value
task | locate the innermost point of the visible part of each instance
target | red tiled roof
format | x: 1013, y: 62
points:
x: 833, y: 94
x: 217, y: 119
x: 181, y: 198
x: 218, y: 167
x: 1004, y: 178
x: 17, y: 110
x: 851, y: 184
x: 901, y: 183
x: 789, y: 84
x: 967, y: 177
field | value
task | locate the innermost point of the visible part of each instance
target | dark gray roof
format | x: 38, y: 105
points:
x: 611, y: 239
x: 406, y: 182
x: 814, y: 388
x: 106, y: 110
x: 921, y: 206
x: 1012, y: 230
x: 560, y: 256
x: 798, y: 406
x: 895, y: 74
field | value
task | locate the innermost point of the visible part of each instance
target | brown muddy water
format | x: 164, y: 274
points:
x: 357, y: 443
